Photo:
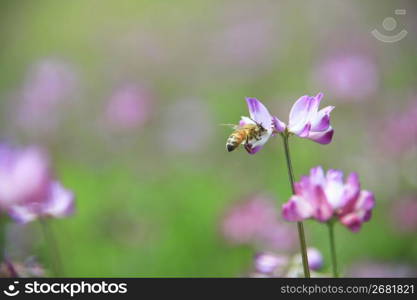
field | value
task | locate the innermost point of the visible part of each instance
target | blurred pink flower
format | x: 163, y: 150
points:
x: 130, y: 107
x: 306, y: 121
x: 349, y: 77
x: 24, y: 175
x: 399, y: 132
x: 268, y: 263
x: 27, y: 189
x: 381, y: 270
x: 49, y: 83
x: 315, y: 259
x: 254, y: 222
x: 59, y: 203
x: 404, y: 214
x: 323, y: 197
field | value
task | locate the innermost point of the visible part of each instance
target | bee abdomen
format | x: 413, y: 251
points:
x: 234, y: 140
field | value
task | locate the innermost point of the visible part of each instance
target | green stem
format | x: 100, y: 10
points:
x: 52, y: 245
x: 330, y: 225
x: 300, y: 226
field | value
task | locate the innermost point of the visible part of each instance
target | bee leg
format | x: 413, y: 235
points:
x: 247, y: 145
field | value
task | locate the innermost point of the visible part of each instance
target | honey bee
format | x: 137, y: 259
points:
x: 244, y: 134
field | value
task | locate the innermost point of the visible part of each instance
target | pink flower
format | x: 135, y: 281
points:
x: 352, y: 77
x: 27, y: 189
x: 254, y: 222
x: 58, y: 203
x: 24, y: 175
x: 129, y: 107
x: 306, y: 121
x: 268, y: 263
x: 323, y: 197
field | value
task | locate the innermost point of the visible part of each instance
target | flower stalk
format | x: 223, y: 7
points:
x: 330, y: 225
x: 300, y: 226
x: 52, y: 243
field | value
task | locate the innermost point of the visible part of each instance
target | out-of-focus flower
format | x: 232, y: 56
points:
x: 49, y: 83
x: 271, y: 264
x: 404, y: 214
x: 260, y: 117
x: 268, y: 263
x: 399, y: 133
x: 129, y: 107
x: 315, y: 259
x: 254, y: 222
x: 348, y: 77
x: 381, y: 270
x: 188, y: 126
x: 27, y: 189
x: 24, y: 175
x: 59, y: 203
x: 306, y: 121
x: 323, y: 197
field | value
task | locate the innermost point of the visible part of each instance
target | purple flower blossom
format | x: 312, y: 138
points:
x: 254, y: 222
x: 24, y: 175
x: 268, y: 263
x: 58, y: 203
x: 306, y: 121
x: 27, y: 189
x: 323, y: 197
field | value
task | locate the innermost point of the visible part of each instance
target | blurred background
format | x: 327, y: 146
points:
x: 127, y: 97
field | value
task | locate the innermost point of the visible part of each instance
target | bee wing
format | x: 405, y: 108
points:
x: 231, y: 125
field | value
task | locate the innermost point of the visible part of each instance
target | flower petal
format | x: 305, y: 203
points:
x: 296, y: 209
x: 321, y: 121
x: 278, y: 124
x: 335, y: 188
x: 245, y: 120
x: 253, y: 150
x: 323, y: 211
x: 323, y: 138
x: 21, y: 214
x: 317, y: 176
x: 351, y: 221
x: 259, y: 113
x: 60, y: 203
x: 301, y: 113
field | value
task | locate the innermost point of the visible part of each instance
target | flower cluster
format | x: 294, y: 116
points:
x: 324, y: 196
x: 305, y: 121
x: 28, y: 189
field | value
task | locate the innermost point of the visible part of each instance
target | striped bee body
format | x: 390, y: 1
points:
x: 244, y: 135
